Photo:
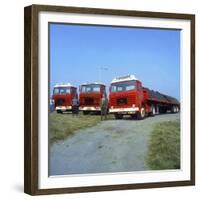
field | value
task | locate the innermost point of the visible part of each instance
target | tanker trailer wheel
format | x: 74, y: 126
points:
x: 118, y: 116
x: 153, y: 111
x: 59, y: 112
x: 141, y: 114
x: 173, y: 109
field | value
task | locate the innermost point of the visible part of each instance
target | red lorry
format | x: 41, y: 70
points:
x: 128, y: 97
x: 90, y: 97
x: 63, y: 95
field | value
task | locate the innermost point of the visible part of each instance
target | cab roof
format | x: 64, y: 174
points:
x: 124, y: 78
x: 64, y: 85
x: 94, y: 83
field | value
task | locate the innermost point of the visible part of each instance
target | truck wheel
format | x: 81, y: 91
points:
x: 141, y: 114
x: 85, y: 112
x: 173, y: 109
x: 153, y: 111
x: 118, y: 116
x: 59, y: 111
x: 157, y: 110
x: 134, y: 116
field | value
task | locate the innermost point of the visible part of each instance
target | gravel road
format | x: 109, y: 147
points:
x: 110, y: 146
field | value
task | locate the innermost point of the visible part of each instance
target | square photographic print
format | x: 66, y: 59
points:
x: 115, y: 99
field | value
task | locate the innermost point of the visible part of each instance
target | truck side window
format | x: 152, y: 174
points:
x: 73, y: 90
x: 139, y: 86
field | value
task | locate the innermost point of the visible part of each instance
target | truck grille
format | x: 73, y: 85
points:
x: 121, y: 101
x: 60, y: 102
x: 89, y: 101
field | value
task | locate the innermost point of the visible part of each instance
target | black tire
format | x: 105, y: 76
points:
x: 176, y: 109
x: 85, y: 112
x: 173, y: 109
x: 118, y: 116
x: 141, y: 114
x: 59, y: 111
x: 157, y: 110
x: 153, y: 111
x: 134, y: 116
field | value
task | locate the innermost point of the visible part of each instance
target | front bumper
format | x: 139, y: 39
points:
x: 124, y: 111
x: 90, y: 108
x: 63, y: 108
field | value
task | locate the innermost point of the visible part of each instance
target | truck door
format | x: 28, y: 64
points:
x: 140, y: 92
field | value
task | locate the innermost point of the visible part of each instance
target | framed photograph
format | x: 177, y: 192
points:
x: 109, y: 99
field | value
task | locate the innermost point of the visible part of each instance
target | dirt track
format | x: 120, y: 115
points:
x: 111, y: 146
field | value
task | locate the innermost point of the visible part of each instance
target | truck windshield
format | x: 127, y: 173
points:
x: 123, y: 86
x: 90, y: 88
x: 61, y: 90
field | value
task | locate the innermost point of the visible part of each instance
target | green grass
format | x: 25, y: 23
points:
x: 63, y: 125
x: 164, y: 146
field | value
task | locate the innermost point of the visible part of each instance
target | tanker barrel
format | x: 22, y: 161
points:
x: 172, y: 100
x: 161, y: 97
x: 156, y: 95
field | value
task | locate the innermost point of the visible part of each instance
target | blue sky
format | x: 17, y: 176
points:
x: 78, y: 52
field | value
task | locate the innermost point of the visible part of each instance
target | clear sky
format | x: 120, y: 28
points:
x: 78, y: 52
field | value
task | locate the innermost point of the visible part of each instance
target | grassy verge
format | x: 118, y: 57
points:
x: 164, y: 146
x: 63, y: 125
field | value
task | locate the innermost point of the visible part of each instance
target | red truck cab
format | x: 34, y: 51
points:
x: 90, y: 97
x: 63, y: 95
x: 126, y: 96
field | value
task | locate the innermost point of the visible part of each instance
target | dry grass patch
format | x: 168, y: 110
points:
x: 63, y: 125
x: 164, y: 146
